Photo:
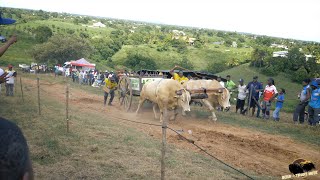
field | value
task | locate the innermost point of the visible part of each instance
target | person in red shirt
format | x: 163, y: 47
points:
x: 269, y: 94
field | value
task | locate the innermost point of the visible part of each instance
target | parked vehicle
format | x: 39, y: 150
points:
x: 3, y: 39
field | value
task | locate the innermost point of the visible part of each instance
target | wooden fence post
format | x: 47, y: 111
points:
x: 67, y: 106
x: 164, y: 143
x: 21, y: 90
x: 38, y: 83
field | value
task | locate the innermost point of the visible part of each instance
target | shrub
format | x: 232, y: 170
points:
x: 299, y: 75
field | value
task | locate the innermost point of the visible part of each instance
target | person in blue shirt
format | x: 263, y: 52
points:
x: 314, y: 104
x: 279, y: 104
x: 254, y: 88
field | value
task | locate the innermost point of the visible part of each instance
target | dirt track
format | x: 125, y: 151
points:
x: 256, y: 151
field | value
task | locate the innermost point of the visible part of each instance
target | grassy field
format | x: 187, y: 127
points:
x: 97, y: 147
x: 281, y: 81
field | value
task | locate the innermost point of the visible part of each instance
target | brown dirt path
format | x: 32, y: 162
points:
x: 247, y: 149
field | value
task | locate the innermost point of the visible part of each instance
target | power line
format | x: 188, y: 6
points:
x: 138, y: 122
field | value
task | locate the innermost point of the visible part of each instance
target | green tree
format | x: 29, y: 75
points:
x: 179, y: 44
x: 185, y: 63
x: 42, y: 33
x: 70, y: 31
x: 105, y: 48
x: 60, y: 49
x: 138, y: 61
x: 216, y: 67
x: 228, y: 43
x: 299, y: 75
x: 296, y: 59
x: 258, y: 56
x: 84, y: 35
x: 220, y: 34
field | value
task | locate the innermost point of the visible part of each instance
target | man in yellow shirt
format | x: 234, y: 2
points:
x: 109, y: 88
x: 178, y: 76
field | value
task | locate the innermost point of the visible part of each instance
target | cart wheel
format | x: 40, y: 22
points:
x: 125, y: 93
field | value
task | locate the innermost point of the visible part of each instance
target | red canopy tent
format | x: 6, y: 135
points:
x: 82, y: 63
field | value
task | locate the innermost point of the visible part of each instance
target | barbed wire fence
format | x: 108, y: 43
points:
x: 187, y: 140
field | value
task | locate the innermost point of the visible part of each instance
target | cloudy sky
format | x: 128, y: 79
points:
x: 298, y: 19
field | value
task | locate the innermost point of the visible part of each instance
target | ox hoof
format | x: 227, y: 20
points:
x: 213, y: 118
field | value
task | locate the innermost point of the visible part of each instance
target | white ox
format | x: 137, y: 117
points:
x: 216, y: 94
x: 168, y: 94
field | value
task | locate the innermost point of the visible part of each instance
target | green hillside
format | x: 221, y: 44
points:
x: 112, y: 44
x: 281, y: 81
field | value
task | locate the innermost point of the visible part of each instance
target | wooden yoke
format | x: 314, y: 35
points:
x: 204, y: 90
x: 202, y: 93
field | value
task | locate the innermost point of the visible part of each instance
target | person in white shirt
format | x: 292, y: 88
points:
x: 220, y: 81
x: 242, y: 95
x: 11, y: 74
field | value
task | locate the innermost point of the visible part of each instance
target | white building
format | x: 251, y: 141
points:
x: 234, y: 44
x: 280, y: 54
x: 98, y: 24
x: 279, y: 46
x: 308, y: 56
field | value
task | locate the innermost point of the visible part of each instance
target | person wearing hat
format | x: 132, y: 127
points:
x: 254, y: 89
x: 299, y: 113
x: 242, y: 94
x: 269, y: 94
x: 11, y: 74
x: 12, y: 40
x: 314, y: 104
x: 109, y: 88
x: 178, y: 76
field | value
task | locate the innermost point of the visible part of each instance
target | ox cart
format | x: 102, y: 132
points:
x: 130, y: 85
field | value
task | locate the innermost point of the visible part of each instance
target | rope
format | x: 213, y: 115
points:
x: 203, y: 150
x: 138, y: 122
